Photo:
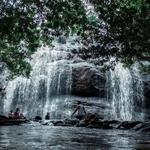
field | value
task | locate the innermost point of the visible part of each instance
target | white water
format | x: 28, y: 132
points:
x: 126, y: 86
x: 51, y: 76
x: 126, y: 90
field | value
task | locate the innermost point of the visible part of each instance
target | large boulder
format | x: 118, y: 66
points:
x: 88, y: 81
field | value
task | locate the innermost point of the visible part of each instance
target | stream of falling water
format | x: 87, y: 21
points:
x: 126, y: 86
x: 126, y: 93
x: 51, y: 76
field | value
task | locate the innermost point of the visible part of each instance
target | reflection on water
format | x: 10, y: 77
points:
x: 30, y: 137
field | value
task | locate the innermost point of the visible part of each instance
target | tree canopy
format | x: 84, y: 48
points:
x: 120, y: 29
x: 123, y: 32
x: 24, y: 24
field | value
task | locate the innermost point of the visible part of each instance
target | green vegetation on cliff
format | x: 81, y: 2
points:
x: 26, y: 24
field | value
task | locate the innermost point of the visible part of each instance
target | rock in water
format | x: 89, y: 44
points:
x: 38, y: 118
x: 128, y: 124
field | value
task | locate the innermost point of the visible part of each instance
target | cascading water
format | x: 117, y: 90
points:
x: 51, y: 76
x: 126, y: 86
x: 126, y: 93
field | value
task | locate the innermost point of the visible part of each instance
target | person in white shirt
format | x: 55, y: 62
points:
x: 79, y: 111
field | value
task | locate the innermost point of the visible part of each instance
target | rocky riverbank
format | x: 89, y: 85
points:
x: 97, y: 122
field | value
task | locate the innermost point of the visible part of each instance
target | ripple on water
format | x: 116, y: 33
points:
x: 38, y: 137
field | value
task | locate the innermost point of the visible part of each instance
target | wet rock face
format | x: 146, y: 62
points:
x: 147, y: 94
x: 147, y: 90
x: 88, y: 81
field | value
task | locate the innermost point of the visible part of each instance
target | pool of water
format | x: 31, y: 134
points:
x: 38, y: 137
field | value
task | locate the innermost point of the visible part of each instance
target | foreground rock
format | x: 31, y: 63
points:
x: 143, y: 127
x: 4, y: 121
x: 95, y: 121
x: 105, y: 124
x: 128, y: 124
x: 66, y: 122
x: 90, y: 121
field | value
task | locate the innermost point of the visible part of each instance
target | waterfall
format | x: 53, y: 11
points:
x: 51, y: 77
x: 126, y: 90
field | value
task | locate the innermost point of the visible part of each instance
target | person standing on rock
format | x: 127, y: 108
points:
x: 79, y: 111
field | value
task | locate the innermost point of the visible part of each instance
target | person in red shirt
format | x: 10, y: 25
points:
x: 17, y: 113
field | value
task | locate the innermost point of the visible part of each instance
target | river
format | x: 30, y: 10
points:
x: 38, y: 137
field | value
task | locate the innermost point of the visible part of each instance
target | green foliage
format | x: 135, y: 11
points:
x: 127, y: 25
x: 15, y: 62
x: 93, y: 21
x: 145, y: 68
x: 137, y: 4
x: 121, y: 29
x: 24, y: 24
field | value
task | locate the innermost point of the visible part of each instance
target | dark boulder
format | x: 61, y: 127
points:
x: 100, y: 125
x: 38, y: 118
x: 71, y: 121
x: 88, y: 81
x: 142, y: 127
x: 3, y: 117
x: 105, y: 124
x: 58, y: 123
x: 110, y: 124
x: 66, y: 122
x: 138, y: 126
x: 4, y: 121
x: 146, y: 81
x: 128, y: 124
x: 93, y: 121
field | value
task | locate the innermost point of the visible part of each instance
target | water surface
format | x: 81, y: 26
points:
x: 31, y: 137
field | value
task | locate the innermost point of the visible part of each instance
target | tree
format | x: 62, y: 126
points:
x: 24, y: 24
x: 120, y: 29
x: 123, y: 31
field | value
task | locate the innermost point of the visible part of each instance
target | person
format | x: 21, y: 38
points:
x: 11, y: 115
x: 80, y: 110
x: 47, y: 117
x: 3, y: 90
x: 17, y: 113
